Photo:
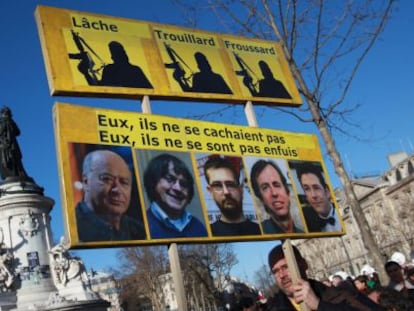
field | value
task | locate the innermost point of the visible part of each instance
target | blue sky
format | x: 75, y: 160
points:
x: 384, y: 87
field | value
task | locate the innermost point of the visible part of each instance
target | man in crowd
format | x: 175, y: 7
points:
x: 320, y: 214
x: 314, y: 294
x: 170, y: 188
x: 226, y: 190
x: 107, y: 184
x: 270, y: 186
x: 397, y: 278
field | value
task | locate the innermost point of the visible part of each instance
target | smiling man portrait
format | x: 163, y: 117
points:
x: 169, y: 185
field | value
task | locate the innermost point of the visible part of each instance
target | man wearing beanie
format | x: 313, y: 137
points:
x: 314, y: 294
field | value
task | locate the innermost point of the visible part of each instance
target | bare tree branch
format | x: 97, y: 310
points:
x: 324, y: 43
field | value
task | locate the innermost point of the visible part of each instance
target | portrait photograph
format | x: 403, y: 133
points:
x: 274, y: 196
x: 172, y: 202
x: 227, y: 196
x: 105, y: 194
x: 318, y: 206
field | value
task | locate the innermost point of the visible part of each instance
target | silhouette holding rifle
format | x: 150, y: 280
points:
x: 120, y: 73
x: 203, y: 81
x: 266, y: 87
x: 247, y: 73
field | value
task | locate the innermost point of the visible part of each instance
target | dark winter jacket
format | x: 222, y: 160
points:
x: 331, y: 299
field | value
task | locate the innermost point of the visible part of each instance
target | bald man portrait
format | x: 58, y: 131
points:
x: 107, y: 185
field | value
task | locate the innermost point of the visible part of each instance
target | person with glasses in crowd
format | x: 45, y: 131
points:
x: 106, y: 185
x: 170, y: 188
x: 227, y: 192
x: 314, y: 294
x: 271, y: 188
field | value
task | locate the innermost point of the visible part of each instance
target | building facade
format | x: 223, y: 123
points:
x: 107, y: 287
x: 387, y: 201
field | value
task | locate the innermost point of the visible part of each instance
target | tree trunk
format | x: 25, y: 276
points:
x: 366, y: 232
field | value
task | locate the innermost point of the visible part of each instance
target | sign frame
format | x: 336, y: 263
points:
x: 84, y: 126
x: 80, y: 48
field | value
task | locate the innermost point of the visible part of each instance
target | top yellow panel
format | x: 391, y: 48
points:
x: 103, y: 56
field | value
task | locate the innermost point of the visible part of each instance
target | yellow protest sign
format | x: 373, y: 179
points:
x: 89, y: 54
x: 131, y: 178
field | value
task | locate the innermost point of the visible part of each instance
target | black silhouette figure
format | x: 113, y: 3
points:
x: 120, y: 73
x: 266, y: 87
x: 204, y: 81
x: 10, y: 154
x: 269, y: 86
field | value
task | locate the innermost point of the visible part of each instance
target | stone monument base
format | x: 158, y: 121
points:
x: 76, y: 290
x: 32, y: 294
x: 57, y: 302
x: 7, y: 301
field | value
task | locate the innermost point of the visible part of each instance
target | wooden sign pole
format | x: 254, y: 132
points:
x: 293, y: 267
x: 172, y: 248
x: 287, y: 246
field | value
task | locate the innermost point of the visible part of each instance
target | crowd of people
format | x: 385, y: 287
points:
x: 337, y: 292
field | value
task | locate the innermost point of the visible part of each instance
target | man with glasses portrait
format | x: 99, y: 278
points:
x: 170, y: 188
x: 227, y: 192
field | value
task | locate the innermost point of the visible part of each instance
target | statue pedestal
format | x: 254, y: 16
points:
x: 97, y: 305
x: 25, y: 234
x: 7, y: 301
x: 24, y: 222
x: 76, y: 290
x: 26, y: 280
x: 34, y: 294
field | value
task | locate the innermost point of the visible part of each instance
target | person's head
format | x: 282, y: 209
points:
x: 118, y: 53
x: 107, y: 183
x: 394, y: 271
x: 169, y: 183
x: 279, y: 268
x: 224, y: 186
x: 6, y: 112
x: 326, y: 281
x: 202, y: 62
x: 336, y: 280
x: 315, y: 188
x: 361, y: 283
x: 270, y: 186
x: 265, y: 69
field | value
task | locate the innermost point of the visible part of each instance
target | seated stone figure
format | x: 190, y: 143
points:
x: 66, y: 268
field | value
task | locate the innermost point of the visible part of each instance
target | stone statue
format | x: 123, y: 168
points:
x: 6, y: 276
x: 66, y: 268
x: 10, y: 155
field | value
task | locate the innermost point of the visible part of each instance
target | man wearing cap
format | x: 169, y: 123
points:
x: 314, y: 294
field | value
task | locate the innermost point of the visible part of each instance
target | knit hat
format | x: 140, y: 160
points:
x: 277, y: 253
